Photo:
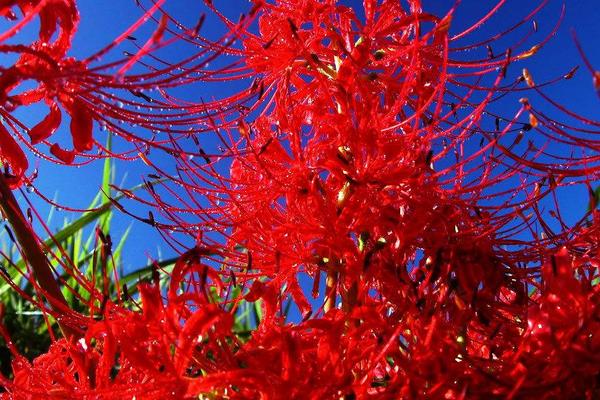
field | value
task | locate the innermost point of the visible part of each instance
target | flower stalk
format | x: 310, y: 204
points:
x: 330, y: 285
x: 34, y: 255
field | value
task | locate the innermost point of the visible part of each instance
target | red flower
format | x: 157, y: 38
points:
x: 90, y: 93
x: 363, y: 168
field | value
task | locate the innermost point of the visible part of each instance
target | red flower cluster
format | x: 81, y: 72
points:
x: 372, y: 160
x: 432, y: 346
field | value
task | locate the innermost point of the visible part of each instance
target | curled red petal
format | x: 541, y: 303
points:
x: 66, y: 156
x: 64, y: 16
x: 11, y: 154
x: 196, y: 325
x: 47, y: 127
x: 82, y: 124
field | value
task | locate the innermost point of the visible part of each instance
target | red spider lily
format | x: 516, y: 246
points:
x: 363, y: 163
x: 438, y: 347
x: 128, y: 354
x: 54, y: 15
x: 360, y: 168
x: 106, y: 95
x: 44, y: 61
x: 153, y: 354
